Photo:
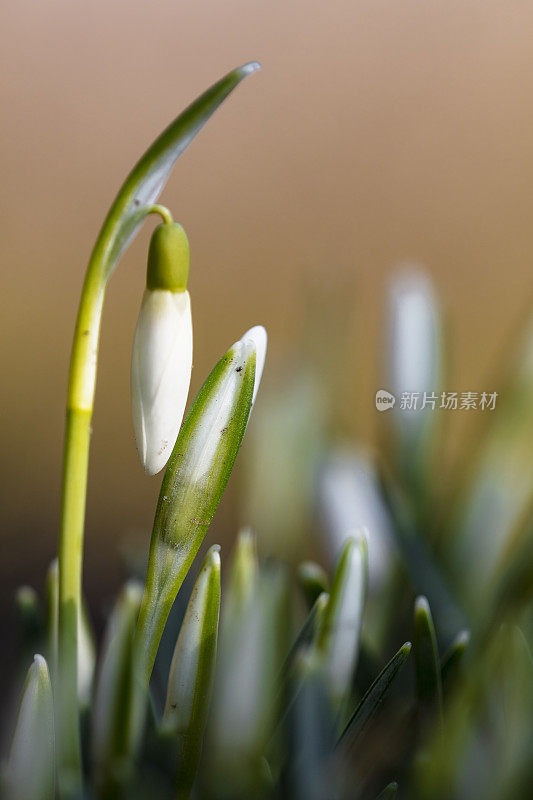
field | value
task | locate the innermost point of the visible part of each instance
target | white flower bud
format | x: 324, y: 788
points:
x: 160, y: 374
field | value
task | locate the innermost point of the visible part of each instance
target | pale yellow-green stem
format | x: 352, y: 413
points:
x: 80, y: 400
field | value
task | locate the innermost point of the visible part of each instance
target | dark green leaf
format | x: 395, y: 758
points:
x: 427, y: 666
x: 374, y: 696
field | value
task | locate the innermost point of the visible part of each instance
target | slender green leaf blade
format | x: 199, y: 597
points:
x: 30, y: 773
x: 145, y: 182
x: 374, y: 696
x: 192, y: 670
x: 308, y: 631
x: 427, y: 666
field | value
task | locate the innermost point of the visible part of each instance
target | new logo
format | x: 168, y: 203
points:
x: 384, y: 400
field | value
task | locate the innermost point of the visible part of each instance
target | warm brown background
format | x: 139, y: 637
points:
x: 377, y: 130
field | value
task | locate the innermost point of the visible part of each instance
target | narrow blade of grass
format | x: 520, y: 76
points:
x: 427, y: 666
x: 374, y: 697
x: 308, y: 631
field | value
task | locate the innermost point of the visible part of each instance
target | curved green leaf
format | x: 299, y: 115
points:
x: 145, y: 182
x: 374, y: 696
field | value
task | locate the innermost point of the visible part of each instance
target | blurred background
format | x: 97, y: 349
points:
x: 377, y: 131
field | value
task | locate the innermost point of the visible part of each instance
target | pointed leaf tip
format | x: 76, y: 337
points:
x: 249, y: 67
x: 374, y: 696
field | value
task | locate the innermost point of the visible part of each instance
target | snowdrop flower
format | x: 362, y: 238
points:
x: 162, y: 349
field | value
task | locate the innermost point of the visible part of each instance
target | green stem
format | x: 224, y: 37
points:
x: 163, y: 212
x: 153, y: 615
x: 75, y: 467
x: 80, y: 401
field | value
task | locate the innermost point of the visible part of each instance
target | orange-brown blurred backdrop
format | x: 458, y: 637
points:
x: 377, y: 130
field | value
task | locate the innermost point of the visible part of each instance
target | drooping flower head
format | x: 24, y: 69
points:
x: 162, y: 348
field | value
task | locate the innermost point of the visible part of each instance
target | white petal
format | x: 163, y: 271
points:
x: 258, y: 337
x: 160, y: 374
